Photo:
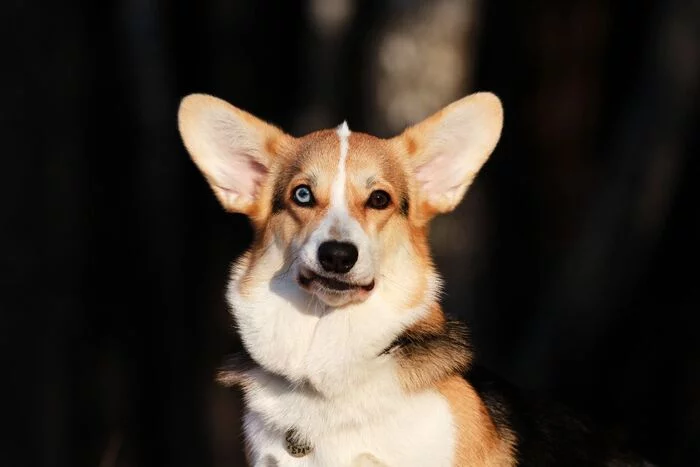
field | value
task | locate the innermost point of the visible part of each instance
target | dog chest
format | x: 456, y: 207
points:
x: 394, y: 429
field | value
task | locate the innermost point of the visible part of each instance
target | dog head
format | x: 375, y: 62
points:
x: 346, y: 212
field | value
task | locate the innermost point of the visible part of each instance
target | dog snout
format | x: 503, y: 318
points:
x: 338, y: 257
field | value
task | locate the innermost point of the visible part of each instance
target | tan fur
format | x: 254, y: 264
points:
x: 374, y: 161
x: 433, y: 321
x: 478, y: 442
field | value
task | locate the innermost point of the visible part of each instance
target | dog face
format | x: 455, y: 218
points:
x: 347, y: 212
x: 336, y: 210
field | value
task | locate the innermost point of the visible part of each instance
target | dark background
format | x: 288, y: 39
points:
x: 573, y: 258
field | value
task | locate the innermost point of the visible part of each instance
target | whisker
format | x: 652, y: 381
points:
x: 394, y: 282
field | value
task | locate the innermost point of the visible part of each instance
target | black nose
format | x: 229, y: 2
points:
x: 337, y: 257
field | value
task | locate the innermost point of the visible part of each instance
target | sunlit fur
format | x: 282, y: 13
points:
x: 320, y: 366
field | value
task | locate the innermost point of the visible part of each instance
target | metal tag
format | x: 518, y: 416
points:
x: 295, y: 447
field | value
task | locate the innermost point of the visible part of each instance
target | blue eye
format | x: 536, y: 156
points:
x: 302, y: 196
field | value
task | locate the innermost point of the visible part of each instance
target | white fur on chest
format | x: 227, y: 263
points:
x: 398, y: 430
x: 335, y: 389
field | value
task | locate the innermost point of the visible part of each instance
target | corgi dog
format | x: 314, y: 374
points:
x: 349, y: 359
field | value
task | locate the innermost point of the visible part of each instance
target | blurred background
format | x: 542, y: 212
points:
x: 573, y: 257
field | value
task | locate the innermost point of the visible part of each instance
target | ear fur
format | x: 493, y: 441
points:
x: 233, y: 149
x: 447, y: 149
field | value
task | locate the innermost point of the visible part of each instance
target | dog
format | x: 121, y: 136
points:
x: 349, y: 359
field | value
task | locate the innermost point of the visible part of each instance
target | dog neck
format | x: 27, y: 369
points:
x: 424, y: 355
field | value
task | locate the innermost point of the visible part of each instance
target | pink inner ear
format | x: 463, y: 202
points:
x: 256, y: 173
x: 240, y: 175
x: 441, y: 174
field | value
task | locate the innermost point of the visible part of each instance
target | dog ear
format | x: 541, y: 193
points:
x: 233, y: 149
x: 447, y: 149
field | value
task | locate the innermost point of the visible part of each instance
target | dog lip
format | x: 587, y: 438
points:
x: 307, y: 277
x: 368, y: 287
x: 304, y: 280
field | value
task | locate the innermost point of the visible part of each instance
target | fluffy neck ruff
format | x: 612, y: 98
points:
x: 425, y: 355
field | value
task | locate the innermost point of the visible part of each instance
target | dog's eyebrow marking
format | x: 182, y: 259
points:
x: 371, y: 180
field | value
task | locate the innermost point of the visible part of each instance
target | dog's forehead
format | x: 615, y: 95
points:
x: 367, y: 157
x: 318, y: 152
x: 372, y: 158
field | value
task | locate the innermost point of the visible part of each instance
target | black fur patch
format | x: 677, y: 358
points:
x: 403, y: 206
x: 236, y: 366
x: 278, y: 197
x: 453, y: 338
x: 430, y: 356
x: 277, y: 202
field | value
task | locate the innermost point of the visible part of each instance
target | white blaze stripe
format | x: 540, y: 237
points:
x: 339, y: 225
x: 338, y: 188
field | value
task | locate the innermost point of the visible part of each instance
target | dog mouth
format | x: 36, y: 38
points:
x: 307, y: 278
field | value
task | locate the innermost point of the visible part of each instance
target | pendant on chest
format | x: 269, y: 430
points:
x: 295, y: 446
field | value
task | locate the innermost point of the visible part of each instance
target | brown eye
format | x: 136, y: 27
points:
x: 378, y: 199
